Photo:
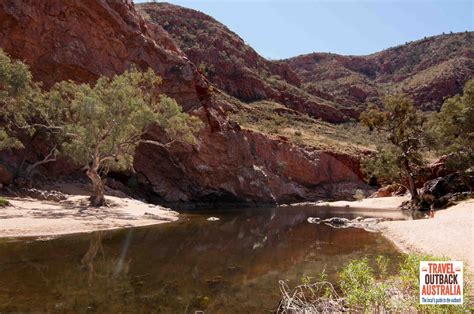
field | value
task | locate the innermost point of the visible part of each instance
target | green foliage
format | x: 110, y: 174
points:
x: 362, y: 291
x: 401, y: 159
x: 16, y: 94
x: 26, y: 114
x: 4, y: 202
x: 451, y: 130
x: 357, y: 282
x: 107, y: 121
x: 96, y: 126
x: 384, y: 164
x: 306, y: 280
x: 382, y: 264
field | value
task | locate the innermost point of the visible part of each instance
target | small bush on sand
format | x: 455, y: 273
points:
x: 358, y: 284
x: 359, y: 195
x: 4, y: 202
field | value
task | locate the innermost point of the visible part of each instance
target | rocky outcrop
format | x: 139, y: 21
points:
x: 82, y: 39
x: 368, y: 224
x: 443, y: 191
x: 390, y: 190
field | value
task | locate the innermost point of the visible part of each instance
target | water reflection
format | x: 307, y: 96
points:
x: 230, y: 265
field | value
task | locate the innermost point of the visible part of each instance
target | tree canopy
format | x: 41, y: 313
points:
x: 451, y: 131
x: 26, y: 114
x: 107, y: 121
x: 401, y: 160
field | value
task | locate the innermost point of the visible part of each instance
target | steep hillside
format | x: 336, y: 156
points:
x: 429, y: 70
x: 328, y: 86
x: 83, y: 39
x: 232, y: 65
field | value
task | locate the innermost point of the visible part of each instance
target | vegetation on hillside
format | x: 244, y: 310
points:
x: 428, y: 70
x: 275, y: 119
x: 98, y: 127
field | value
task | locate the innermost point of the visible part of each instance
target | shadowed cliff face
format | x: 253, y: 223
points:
x: 237, y: 165
x: 82, y: 39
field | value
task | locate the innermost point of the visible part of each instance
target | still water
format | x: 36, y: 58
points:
x: 228, y: 266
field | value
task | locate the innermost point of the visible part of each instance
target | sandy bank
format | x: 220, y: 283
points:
x: 450, y: 233
x: 370, y: 203
x: 28, y: 217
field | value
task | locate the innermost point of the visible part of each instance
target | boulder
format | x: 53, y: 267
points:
x: 390, y: 190
x: 442, y: 191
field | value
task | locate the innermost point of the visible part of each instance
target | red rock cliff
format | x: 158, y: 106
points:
x: 82, y: 39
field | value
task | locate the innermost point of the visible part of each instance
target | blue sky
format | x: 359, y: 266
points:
x: 280, y: 29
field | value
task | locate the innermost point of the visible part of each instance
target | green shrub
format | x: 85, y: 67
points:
x: 357, y: 282
x: 382, y: 265
x: 4, y: 202
x: 364, y: 290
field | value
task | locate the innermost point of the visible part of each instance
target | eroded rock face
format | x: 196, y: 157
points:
x: 242, y: 166
x: 82, y: 39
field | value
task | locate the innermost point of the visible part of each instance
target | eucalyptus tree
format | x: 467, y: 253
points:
x: 26, y: 115
x: 401, y: 160
x: 107, y: 121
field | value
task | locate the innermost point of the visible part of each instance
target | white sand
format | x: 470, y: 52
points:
x: 449, y: 234
x: 392, y: 202
x: 33, y: 218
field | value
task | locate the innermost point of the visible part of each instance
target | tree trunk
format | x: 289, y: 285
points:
x: 97, y: 198
x: 411, y: 183
x: 412, y: 187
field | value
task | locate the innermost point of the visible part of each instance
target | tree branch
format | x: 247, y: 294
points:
x: 48, y: 158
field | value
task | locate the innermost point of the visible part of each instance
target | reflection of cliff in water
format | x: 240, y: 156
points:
x: 228, y: 265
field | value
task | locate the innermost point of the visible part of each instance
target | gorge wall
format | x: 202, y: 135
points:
x: 83, y: 39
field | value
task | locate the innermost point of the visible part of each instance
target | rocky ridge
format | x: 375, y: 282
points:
x: 332, y: 87
x: 429, y: 70
x: 232, y: 65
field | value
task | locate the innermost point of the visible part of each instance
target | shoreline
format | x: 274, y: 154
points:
x: 382, y: 203
x: 29, y: 217
x: 449, y: 234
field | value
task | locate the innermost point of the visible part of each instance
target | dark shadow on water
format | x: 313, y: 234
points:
x: 225, y: 266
